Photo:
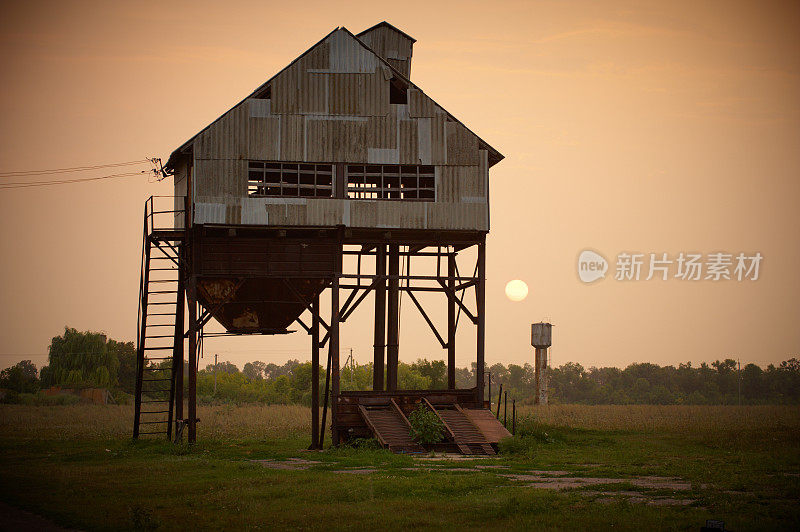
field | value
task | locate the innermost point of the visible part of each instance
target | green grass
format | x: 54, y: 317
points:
x: 746, y: 476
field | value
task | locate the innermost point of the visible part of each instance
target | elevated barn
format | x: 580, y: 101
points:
x: 339, y: 154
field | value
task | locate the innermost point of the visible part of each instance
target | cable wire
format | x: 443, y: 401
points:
x: 22, y: 184
x: 73, y: 169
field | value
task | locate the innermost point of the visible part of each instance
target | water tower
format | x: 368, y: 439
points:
x: 338, y: 156
x: 541, y: 339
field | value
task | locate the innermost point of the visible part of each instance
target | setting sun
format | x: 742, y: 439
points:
x: 516, y: 290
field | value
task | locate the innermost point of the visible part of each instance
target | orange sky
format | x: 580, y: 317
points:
x: 626, y: 126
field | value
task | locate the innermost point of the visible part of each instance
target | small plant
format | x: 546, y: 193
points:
x: 364, y: 444
x: 426, y: 427
x: 142, y: 518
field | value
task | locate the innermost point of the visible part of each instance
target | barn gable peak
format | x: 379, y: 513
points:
x: 392, y: 44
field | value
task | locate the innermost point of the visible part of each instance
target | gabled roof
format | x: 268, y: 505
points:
x: 384, y: 23
x: 494, y: 155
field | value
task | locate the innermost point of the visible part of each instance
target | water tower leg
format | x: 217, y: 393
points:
x: 540, y: 368
x: 451, y: 321
x: 379, y: 344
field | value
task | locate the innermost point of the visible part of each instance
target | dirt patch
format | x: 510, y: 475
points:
x: 537, y: 480
x: 455, y: 457
x: 291, y: 464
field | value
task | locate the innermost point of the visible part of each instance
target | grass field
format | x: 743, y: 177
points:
x: 570, y: 467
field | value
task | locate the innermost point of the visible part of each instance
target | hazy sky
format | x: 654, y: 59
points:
x: 660, y: 127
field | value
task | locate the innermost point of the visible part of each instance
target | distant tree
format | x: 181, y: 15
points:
x: 223, y: 367
x: 22, y: 377
x: 435, y: 370
x: 254, y: 370
x: 82, y: 359
x: 126, y: 355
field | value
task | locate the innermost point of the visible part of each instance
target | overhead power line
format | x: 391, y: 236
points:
x: 22, y: 184
x: 73, y: 169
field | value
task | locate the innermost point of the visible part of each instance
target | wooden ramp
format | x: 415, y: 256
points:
x: 463, y: 431
x: 391, y: 427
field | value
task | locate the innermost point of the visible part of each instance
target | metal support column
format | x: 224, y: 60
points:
x: 380, y: 319
x: 191, y: 297
x: 393, y: 318
x: 176, y: 381
x: 334, y: 345
x: 315, y: 372
x: 480, y: 293
x: 451, y: 321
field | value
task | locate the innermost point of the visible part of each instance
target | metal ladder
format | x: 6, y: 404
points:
x: 159, y: 342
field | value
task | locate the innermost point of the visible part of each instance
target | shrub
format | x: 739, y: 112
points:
x: 426, y: 427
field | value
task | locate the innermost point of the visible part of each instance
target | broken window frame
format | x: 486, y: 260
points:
x: 405, y: 182
x: 269, y: 179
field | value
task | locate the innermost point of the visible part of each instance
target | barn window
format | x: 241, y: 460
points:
x: 303, y: 180
x: 398, y: 91
x: 391, y: 181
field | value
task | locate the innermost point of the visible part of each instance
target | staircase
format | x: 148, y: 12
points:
x: 159, y: 342
x: 462, y: 430
x: 390, y: 427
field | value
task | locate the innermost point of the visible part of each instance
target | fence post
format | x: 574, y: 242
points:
x: 513, y: 417
x: 505, y: 411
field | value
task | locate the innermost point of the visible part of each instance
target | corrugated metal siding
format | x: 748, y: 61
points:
x: 254, y: 212
x: 424, y: 140
x: 264, y: 138
x: 336, y: 140
x: 233, y: 214
x: 284, y: 89
x: 220, y: 177
x: 326, y: 110
x: 419, y: 105
x: 325, y: 212
x: 208, y: 213
x: 313, y: 92
x: 347, y: 55
x: 382, y: 131
x: 438, y: 139
x: 409, y: 142
x: 293, y: 138
x: 462, y: 146
x: 456, y: 216
x: 392, y: 46
x: 358, y: 95
x: 461, y: 184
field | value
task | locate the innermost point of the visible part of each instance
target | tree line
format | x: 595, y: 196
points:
x: 88, y: 359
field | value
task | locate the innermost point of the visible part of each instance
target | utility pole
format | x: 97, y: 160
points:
x: 215, y: 374
x: 739, y: 374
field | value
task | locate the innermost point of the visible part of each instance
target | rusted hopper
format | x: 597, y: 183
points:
x: 261, y: 285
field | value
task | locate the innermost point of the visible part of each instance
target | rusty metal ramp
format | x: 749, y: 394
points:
x: 464, y: 432
x: 390, y: 427
x: 487, y: 423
